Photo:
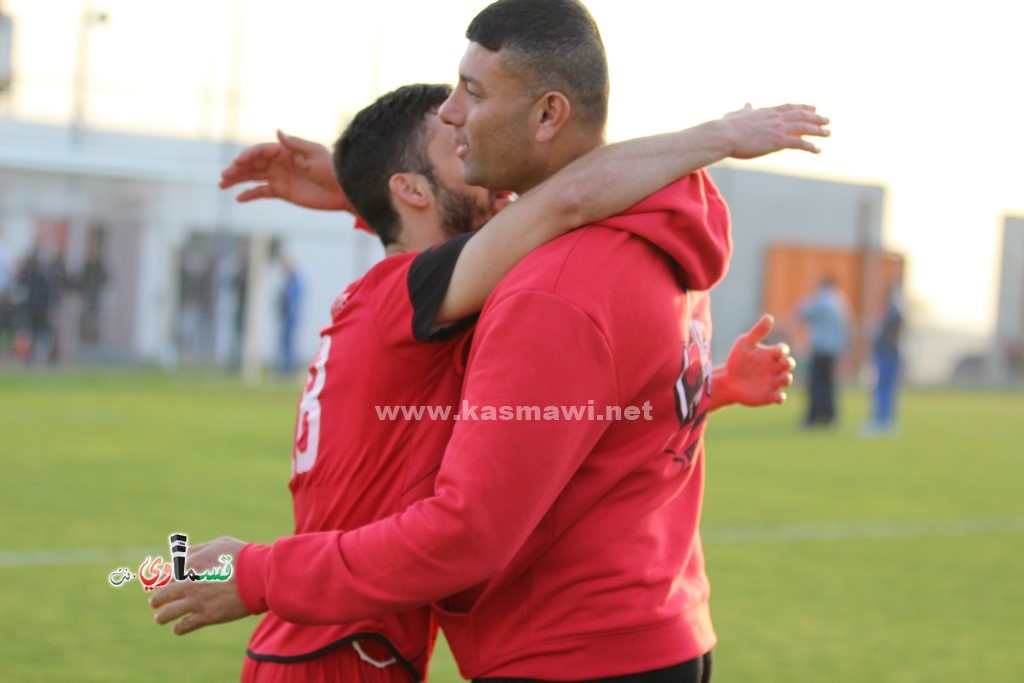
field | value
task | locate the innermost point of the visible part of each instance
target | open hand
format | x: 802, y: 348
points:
x: 758, y: 374
x: 202, y: 603
x: 293, y: 169
x: 756, y: 132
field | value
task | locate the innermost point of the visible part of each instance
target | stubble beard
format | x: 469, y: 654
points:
x: 463, y: 212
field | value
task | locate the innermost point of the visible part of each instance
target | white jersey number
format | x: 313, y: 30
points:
x: 307, y: 428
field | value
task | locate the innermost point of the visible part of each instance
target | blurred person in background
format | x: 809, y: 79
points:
x: 240, y: 293
x: 91, y: 282
x: 6, y: 265
x: 826, y: 314
x: 886, y: 355
x: 6, y: 297
x: 195, y: 302
x: 39, y: 284
x: 289, y: 307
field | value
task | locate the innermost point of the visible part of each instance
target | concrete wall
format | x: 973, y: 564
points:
x: 769, y: 208
x: 1008, y: 350
x: 150, y: 195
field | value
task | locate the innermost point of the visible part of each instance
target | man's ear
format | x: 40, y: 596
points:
x: 411, y: 189
x: 551, y: 112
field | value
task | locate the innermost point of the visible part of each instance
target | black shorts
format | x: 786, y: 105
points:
x: 696, y: 670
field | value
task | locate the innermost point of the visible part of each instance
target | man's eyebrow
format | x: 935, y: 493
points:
x: 468, y: 80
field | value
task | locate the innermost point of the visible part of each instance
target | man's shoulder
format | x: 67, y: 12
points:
x: 389, y: 266
x: 389, y: 276
x: 383, y: 278
x: 588, y: 267
x: 548, y: 265
x: 583, y: 245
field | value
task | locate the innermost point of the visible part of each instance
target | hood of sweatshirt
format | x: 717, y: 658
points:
x: 689, y: 221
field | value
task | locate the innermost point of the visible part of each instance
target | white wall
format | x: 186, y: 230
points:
x: 769, y: 208
x: 164, y: 189
x: 1010, y: 314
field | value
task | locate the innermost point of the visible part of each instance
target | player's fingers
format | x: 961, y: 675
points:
x: 169, y: 593
x: 799, y: 143
x: 783, y: 379
x: 258, y: 192
x: 798, y: 108
x: 263, y: 153
x: 190, y: 623
x: 256, y: 158
x: 760, y: 330
x: 231, y: 179
x: 232, y: 174
x: 805, y: 114
x: 172, y: 611
x: 801, y: 128
x: 249, y: 175
x: 807, y: 129
x: 785, y: 364
x: 779, y: 397
x: 296, y: 144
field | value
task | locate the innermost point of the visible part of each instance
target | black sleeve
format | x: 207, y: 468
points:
x: 429, y: 277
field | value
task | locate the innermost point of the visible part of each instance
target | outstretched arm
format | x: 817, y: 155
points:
x: 610, y: 180
x: 754, y: 374
x: 293, y: 169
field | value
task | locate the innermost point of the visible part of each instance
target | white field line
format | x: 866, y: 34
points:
x: 778, y: 533
x: 128, y: 557
x: 838, y: 531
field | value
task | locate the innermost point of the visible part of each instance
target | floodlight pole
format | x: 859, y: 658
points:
x: 6, y: 50
x: 80, y: 81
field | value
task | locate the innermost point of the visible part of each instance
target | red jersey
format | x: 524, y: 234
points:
x: 560, y: 547
x: 351, y: 465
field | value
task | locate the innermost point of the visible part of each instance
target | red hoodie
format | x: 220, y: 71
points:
x: 558, y: 549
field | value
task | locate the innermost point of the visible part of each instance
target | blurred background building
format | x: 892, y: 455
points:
x: 108, y: 191
x: 789, y: 233
x: 150, y: 262
x: 1006, y: 357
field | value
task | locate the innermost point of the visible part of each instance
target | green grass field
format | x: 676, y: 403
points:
x: 832, y: 558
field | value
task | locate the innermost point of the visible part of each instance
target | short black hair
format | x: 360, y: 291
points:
x: 554, y: 45
x: 383, y: 139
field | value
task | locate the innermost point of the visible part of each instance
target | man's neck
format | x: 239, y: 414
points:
x: 571, y: 150
x: 420, y: 231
